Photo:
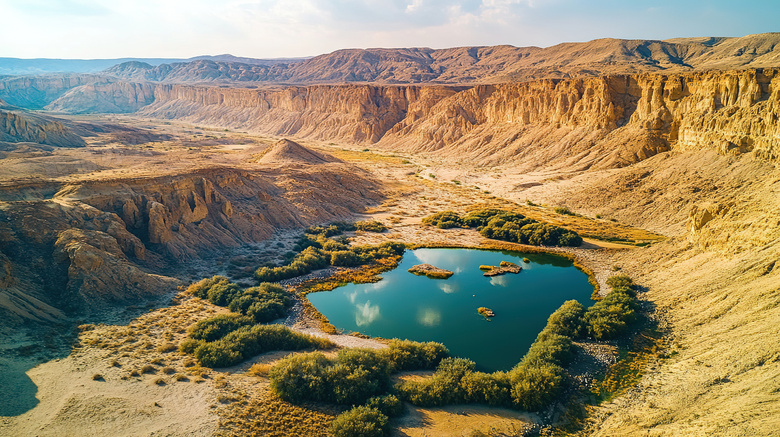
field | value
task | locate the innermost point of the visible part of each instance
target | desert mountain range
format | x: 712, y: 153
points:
x: 492, y: 64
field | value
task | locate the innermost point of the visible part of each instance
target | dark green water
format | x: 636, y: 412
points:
x: 403, y: 305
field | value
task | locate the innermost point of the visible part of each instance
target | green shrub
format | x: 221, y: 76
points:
x: 610, y: 317
x: 357, y: 375
x: 620, y: 281
x: 354, y: 376
x: 485, y: 388
x: 246, y: 342
x: 549, y: 348
x: 535, y: 386
x: 370, y: 226
x: 345, y: 258
x: 412, y: 355
x: 361, y: 421
x: 567, y: 320
x: 301, y: 377
x: 217, y: 327
x: 389, y: 405
x: 563, y: 211
x: 189, y: 345
x: 443, y: 388
x: 444, y: 220
x: 508, y: 226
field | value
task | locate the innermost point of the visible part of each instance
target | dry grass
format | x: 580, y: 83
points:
x: 263, y: 414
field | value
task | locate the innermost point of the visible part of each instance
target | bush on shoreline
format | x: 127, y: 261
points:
x: 246, y: 342
x: 611, y: 316
x: 507, y: 226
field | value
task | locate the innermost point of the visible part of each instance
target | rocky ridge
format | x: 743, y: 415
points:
x: 493, y: 64
x: 72, y: 248
x: 584, y: 123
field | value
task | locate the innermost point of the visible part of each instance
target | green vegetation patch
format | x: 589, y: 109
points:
x: 264, y: 303
x: 248, y: 341
x: 316, y: 251
x: 354, y: 376
x: 507, y: 226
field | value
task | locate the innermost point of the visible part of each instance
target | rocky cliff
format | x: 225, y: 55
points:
x: 72, y: 248
x: 20, y: 126
x: 583, y: 123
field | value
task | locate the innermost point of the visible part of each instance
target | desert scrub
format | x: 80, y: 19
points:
x: 611, y: 316
x: 563, y: 211
x: 361, y: 421
x: 247, y: 342
x: 354, y: 376
x: 317, y: 252
x: 444, y: 220
x: 260, y: 304
x: 508, y: 226
x: 370, y: 226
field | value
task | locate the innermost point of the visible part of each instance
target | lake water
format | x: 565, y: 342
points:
x: 403, y: 305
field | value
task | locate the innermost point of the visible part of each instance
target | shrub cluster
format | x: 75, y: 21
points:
x: 262, y: 304
x: 361, y: 421
x: 311, y: 258
x: 370, y: 226
x: 508, y: 226
x: 354, y: 376
x: 321, y: 252
x: 217, y: 327
x: 610, y: 316
x: 248, y: 341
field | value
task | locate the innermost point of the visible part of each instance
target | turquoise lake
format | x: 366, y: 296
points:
x: 403, y: 305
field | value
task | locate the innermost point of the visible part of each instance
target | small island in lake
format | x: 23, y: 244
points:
x: 504, y: 267
x: 430, y: 271
x: 487, y: 312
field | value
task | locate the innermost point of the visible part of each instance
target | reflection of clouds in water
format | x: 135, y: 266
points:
x: 368, y: 288
x: 366, y: 314
x: 448, y: 288
x: 430, y: 256
x: 499, y: 281
x: 429, y: 317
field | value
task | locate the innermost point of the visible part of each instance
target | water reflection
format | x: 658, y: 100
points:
x: 369, y: 288
x: 448, y: 288
x: 366, y: 313
x: 429, y: 317
x: 499, y: 281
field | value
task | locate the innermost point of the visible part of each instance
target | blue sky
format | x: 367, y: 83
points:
x: 286, y: 28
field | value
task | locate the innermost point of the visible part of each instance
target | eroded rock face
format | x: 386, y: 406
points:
x: 83, y: 246
x: 21, y: 126
x: 99, y: 272
x: 601, y: 122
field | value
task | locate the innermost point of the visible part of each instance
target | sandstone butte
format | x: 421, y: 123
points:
x: 681, y: 144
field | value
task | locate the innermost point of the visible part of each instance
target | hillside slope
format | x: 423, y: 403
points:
x: 494, y: 64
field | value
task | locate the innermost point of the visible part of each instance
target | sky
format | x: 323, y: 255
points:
x: 90, y: 29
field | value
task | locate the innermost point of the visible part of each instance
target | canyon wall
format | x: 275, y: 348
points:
x: 74, y: 248
x: 578, y: 124
x: 21, y: 126
x: 575, y: 123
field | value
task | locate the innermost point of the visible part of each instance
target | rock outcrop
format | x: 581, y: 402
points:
x: 18, y: 126
x: 74, y: 248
